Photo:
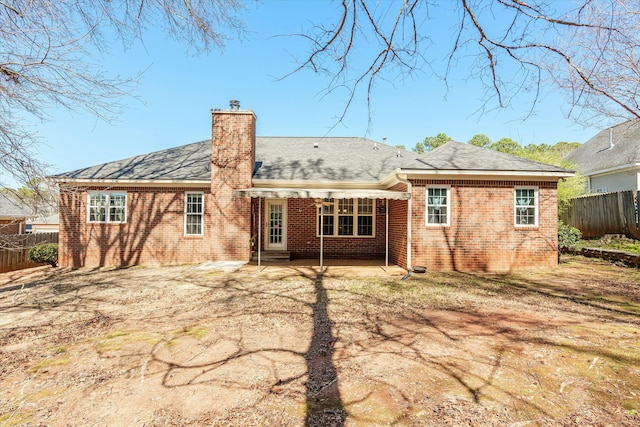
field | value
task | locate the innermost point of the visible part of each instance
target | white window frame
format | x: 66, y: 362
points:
x: 335, y: 203
x: 535, y: 206
x: 447, y: 188
x: 187, y: 214
x: 109, y: 197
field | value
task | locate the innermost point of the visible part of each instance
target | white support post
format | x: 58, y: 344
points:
x: 321, y: 233
x: 386, y: 250
x: 259, y: 229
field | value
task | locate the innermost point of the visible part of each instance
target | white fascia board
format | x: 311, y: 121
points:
x: 272, y: 183
x: 618, y: 169
x: 392, y: 178
x: 132, y: 182
x: 13, y: 217
x: 478, y: 174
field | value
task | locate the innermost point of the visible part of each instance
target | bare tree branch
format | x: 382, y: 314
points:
x: 519, y: 50
x: 50, y: 57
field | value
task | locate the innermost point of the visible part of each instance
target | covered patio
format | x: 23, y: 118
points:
x: 275, y: 215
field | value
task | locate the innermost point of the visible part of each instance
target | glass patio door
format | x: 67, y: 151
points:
x: 276, y: 225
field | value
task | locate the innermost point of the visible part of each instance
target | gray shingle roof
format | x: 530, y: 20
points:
x: 334, y: 159
x: 310, y: 158
x: 458, y: 156
x: 186, y: 162
x: 11, y: 208
x: 595, y: 154
x: 51, y: 219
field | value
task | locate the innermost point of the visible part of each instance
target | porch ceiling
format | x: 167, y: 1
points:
x: 321, y: 193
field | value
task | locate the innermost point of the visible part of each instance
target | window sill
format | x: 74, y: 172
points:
x: 106, y: 222
x: 331, y: 236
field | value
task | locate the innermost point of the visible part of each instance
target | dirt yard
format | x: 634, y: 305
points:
x: 186, y: 346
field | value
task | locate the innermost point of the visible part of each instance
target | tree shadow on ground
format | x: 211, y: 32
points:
x: 324, y: 403
x: 367, y: 350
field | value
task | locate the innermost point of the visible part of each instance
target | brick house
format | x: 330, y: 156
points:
x: 458, y: 207
x: 611, y: 159
x: 13, y: 216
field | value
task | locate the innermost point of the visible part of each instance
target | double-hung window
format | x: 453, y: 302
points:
x: 438, y: 206
x: 526, y: 206
x: 193, y: 213
x: 107, y: 207
x: 347, y: 217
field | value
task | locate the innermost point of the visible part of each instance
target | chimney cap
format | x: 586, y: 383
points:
x: 234, y: 104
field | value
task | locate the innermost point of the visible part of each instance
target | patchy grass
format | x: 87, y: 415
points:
x: 15, y: 418
x: 116, y: 334
x: 173, y: 346
x: 59, y: 349
x: 195, y: 332
x: 48, y: 363
x: 616, y: 243
x: 116, y: 340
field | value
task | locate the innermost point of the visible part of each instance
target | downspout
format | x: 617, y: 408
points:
x: 406, y: 182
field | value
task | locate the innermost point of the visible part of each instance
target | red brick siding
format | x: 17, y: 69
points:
x: 303, y: 242
x: 232, y: 162
x: 12, y: 226
x: 482, y: 235
x: 153, y: 233
x: 398, y: 229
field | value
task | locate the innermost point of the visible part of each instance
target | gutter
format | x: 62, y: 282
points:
x: 490, y: 173
x: 131, y: 182
x: 616, y: 169
x: 392, y: 177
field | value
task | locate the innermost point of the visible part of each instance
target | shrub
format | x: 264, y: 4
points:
x: 46, y: 253
x: 568, y: 237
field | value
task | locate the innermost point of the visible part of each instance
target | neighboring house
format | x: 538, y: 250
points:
x: 13, y: 216
x: 611, y: 159
x: 456, y: 207
x: 47, y: 224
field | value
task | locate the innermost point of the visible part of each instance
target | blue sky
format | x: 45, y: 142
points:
x: 176, y: 93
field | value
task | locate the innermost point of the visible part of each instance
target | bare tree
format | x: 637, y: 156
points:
x: 588, y: 48
x: 50, y: 57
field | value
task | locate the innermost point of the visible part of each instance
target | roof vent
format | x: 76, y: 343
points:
x: 398, y: 153
x: 234, y: 104
x: 611, y: 144
x: 315, y: 145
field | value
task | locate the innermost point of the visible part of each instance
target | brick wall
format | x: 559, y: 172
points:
x: 398, y: 229
x: 303, y: 242
x: 152, y: 234
x: 154, y: 230
x: 482, y: 235
x: 12, y: 226
x: 232, y: 161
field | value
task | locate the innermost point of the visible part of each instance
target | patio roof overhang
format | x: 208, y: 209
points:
x: 321, y: 193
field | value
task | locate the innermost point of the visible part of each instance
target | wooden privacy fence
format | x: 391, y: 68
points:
x: 608, y: 213
x: 14, y: 249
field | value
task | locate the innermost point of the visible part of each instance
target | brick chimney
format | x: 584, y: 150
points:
x: 233, y: 154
